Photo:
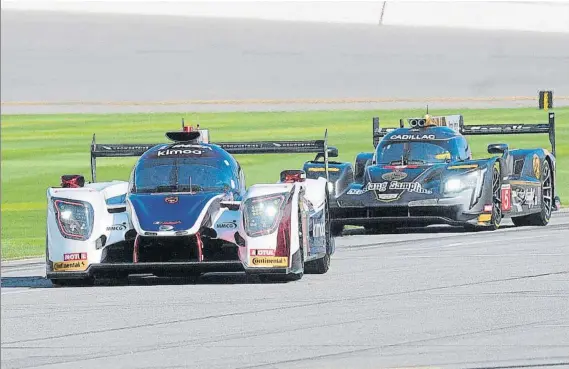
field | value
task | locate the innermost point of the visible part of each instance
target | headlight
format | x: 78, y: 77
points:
x: 74, y: 218
x: 261, y: 215
x: 330, y: 187
x: 459, y: 183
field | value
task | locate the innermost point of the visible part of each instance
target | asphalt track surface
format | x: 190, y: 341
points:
x: 100, y: 61
x: 441, y: 298
x: 444, y: 299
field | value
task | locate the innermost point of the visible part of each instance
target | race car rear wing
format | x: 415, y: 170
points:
x: 456, y: 122
x: 319, y: 147
x: 513, y: 129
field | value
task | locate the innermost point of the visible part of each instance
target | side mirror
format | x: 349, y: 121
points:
x: 498, y: 149
x: 332, y: 152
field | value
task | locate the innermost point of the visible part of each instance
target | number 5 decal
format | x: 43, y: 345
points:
x: 506, y: 197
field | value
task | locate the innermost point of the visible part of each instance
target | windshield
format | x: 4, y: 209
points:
x: 413, y: 153
x: 178, y: 175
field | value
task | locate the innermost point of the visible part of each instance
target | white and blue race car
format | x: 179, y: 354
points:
x: 186, y: 211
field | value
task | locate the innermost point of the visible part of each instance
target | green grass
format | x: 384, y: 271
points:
x: 38, y: 149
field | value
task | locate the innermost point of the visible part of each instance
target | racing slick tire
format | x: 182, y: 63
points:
x: 321, y: 266
x: 336, y: 230
x: 541, y: 218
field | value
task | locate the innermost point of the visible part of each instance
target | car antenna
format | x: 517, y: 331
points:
x: 183, y: 126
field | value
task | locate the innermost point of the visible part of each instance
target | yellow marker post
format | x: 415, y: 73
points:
x: 545, y: 100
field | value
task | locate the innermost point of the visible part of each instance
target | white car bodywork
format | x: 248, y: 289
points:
x: 111, y: 225
x: 114, y: 228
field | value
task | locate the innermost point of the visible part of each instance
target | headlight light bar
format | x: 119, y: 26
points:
x: 459, y: 183
x: 74, y: 218
x: 261, y: 215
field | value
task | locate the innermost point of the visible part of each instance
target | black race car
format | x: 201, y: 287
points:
x: 425, y: 174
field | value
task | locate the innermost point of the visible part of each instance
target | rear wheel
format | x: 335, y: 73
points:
x: 541, y: 218
x: 337, y: 229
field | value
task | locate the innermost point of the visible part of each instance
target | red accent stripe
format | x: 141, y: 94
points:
x: 283, y: 233
x: 200, y: 246
x: 135, y: 250
x: 412, y: 166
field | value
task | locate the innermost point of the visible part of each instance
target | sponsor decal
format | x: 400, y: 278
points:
x: 410, y: 187
x: 71, y: 265
x: 381, y: 187
x: 488, y: 208
x: 183, y: 149
x: 484, y: 218
x: 536, y: 166
x: 75, y: 256
x: 124, y: 147
x: 190, y: 146
x: 165, y: 227
x: 268, y: 261
x: 323, y: 169
x: 229, y: 225
x: 532, y: 197
x: 387, y: 196
x: 117, y: 227
x: 412, y: 137
x: 171, y: 199
x: 167, y: 222
x: 319, y: 230
x: 394, y: 176
x: 414, y: 187
x: 506, y: 195
x: 499, y: 129
x: 526, y: 196
x: 355, y: 191
x: 424, y: 202
x: 463, y: 166
x: 181, y: 233
x: 262, y: 252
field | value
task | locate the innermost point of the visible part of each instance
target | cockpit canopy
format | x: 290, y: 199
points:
x: 422, y: 146
x: 186, y: 169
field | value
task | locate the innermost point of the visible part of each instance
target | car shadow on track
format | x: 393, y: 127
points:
x: 25, y: 282
x: 360, y: 231
x: 206, y: 279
